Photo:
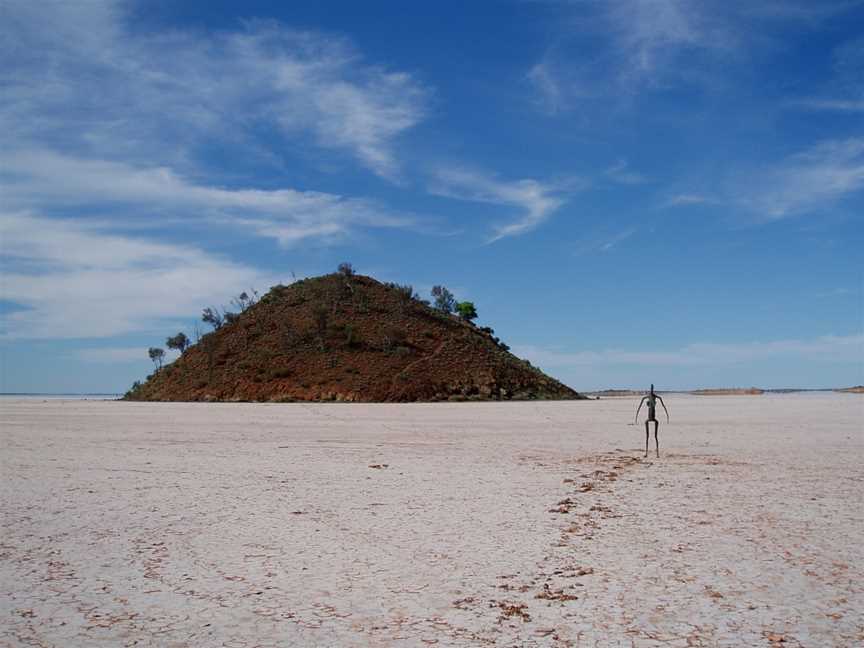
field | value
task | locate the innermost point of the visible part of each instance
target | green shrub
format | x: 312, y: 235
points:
x: 466, y: 311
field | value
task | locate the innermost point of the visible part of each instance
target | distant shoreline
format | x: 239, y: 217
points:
x: 604, y: 393
x: 56, y: 395
x: 726, y: 391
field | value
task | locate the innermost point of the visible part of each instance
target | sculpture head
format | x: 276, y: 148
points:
x: 652, y: 388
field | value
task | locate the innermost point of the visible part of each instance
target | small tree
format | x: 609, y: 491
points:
x: 443, y: 299
x: 466, y: 311
x: 131, y: 391
x: 179, y: 342
x: 405, y: 292
x: 244, y: 300
x: 213, y: 317
x: 157, y: 355
x: 346, y: 269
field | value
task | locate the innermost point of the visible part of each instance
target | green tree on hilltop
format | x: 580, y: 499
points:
x: 466, y: 310
x: 443, y: 299
x: 157, y: 355
x: 179, y: 342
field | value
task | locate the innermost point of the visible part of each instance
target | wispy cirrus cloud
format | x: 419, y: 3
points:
x: 829, y: 348
x: 804, y: 182
x: 649, y: 35
x: 535, y: 200
x: 637, y: 44
x: 77, y: 78
x: 73, y: 279
x: 621, y: 173
x: 603, y: 242
x: 550, y: 95
x: 831, y: 105
x: 843, y: 90
x: 113, y: 355
x: 684, y: 199
x: 643, y: 45
x: 47, y: 180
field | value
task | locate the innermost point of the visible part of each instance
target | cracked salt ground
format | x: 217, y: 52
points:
x: 529, y: 524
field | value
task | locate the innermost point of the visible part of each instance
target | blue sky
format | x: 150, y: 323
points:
x: 630, y: 191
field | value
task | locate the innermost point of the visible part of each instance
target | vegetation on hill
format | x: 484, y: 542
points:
x: 346, y: 337
x: 857, y: 389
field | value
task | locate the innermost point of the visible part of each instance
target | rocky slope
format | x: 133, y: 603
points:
x: 347, y: 338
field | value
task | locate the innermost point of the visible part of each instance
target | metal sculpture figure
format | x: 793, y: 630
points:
x: 652, y: 399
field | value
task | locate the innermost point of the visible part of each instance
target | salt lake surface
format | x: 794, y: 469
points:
x: 528, y: 524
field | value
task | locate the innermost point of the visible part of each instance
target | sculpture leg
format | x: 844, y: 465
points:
x: 656, y: 440
x: 647, y: 436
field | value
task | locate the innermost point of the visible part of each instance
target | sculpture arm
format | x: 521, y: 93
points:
x: 639, y: 408
x: 664, y: 408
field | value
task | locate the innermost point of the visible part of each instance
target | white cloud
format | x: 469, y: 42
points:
x: 536, y: 200
x: 77, y: 281
x: 45, y: 179
x: 618, y: 238
x: 834, y: 292
x: 804, y: 182
x: 799, y: 10
x: 829, y: 348
x: 603, y: 242
x: 642, y: 45
x: 550, y: 95
x: 659, y: 39
x: 831, y: 105
x: 843, y: 90
x: 75, y: 76
x: 634, y: 44
x: 112, y: 355
x: 621, y: 173
x: 649, y: 33
x: 688, y: 199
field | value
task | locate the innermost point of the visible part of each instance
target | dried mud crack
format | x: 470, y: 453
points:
x: 540, y: 608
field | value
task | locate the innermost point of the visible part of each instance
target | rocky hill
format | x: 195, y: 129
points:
x: 347, y: 338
